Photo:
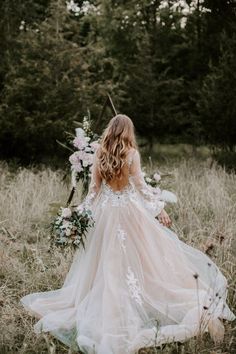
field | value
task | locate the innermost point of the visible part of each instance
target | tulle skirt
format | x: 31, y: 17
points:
x: 135, y: 285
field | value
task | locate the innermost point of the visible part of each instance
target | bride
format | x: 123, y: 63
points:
x: 136, y: 284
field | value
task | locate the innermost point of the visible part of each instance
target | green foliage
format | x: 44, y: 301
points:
x: 48, y: 85
x: 153, y: 60
x: 217, y: 104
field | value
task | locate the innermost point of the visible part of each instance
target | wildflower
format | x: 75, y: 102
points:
x: 157, y: 177
x: 66, y: 213
x: 77, y: 167
x: 94, y: 145
x: 74, y: 158
x: 80, y: 142
x: 79, y: 132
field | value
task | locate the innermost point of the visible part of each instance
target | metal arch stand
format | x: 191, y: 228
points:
x: 108, y: 102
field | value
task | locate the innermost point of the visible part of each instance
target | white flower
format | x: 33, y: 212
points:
x: 68, y: 232
x: 156, y: 191
x: 66, y: 213
x: 77, y: 167
x: 87, y: 159
x: 79, y: 132
x: 80, y: 142
x: 85, y: 163
x: 65, y: 224
x: 86, y: 123
x: 157, y: 177
x: 80, y: 208
x: 72, y: 6
x: 87, y: 149
x: 94, y: 145
x: 148, y: 179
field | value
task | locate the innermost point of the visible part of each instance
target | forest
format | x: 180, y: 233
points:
x: 169, y: 65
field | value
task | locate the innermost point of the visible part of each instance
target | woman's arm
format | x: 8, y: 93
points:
x: 152, y: 202
x: 94, y: 186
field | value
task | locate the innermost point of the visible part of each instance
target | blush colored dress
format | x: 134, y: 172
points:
x: 136, y: 284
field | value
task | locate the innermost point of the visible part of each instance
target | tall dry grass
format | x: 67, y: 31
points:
x: 204, y: 217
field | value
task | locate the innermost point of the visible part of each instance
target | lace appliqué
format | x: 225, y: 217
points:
x: 151, y: 199
x: 134, y: 286
x: 121, y: 234
x: 116, y: 198
x: 90, y: 196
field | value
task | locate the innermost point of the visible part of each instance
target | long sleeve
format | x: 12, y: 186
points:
x: 94, y: 186
x: 149, y: 196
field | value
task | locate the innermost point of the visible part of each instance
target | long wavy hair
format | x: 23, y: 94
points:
x: 116, y: 141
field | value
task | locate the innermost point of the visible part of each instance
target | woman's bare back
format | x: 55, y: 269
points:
x: 118, y: 184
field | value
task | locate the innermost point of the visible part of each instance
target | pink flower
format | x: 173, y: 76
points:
x: 157, y: 177
x: 66, y: 213
x: 80, y: 142
x: 74, y: 158
x: 94, y: 145
x: 85, y: 163
x: 77, y: 167
x: 87, y: 159
x: 68, y: 232
x: 80, y: 208
x: 88, y: 149
x: 90, y: 158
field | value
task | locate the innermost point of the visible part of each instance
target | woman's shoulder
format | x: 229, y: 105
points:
x: 131, y: 155
x: 133, y: 151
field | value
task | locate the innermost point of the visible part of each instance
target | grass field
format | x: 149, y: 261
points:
x: 204, y: 217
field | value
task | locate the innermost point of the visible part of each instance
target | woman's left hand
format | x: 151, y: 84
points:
x: 164, y: 218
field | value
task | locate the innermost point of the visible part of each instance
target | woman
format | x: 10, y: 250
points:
x: 136, y: 284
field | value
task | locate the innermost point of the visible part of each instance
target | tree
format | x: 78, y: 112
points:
x: 217, y: 105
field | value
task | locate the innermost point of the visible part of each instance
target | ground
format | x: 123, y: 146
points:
x: 203, y: 217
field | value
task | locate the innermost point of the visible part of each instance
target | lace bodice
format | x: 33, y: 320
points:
x: 116, y: 198
x: 136, y: 189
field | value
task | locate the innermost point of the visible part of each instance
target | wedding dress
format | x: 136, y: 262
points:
x: 136, y: 284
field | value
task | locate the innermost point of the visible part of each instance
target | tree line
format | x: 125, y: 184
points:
x: 169, y: 65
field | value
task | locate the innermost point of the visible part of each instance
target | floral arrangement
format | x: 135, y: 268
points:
x: 85, y: 144
x: 70, y: 227
x: 153, y: 179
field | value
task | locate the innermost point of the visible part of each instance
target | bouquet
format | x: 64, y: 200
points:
x: 153, y: 179
x: 70, y: 227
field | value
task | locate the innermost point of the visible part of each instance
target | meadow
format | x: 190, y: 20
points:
x: 203, y: 217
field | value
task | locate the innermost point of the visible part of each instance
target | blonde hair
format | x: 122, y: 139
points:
x: 117, y: 139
